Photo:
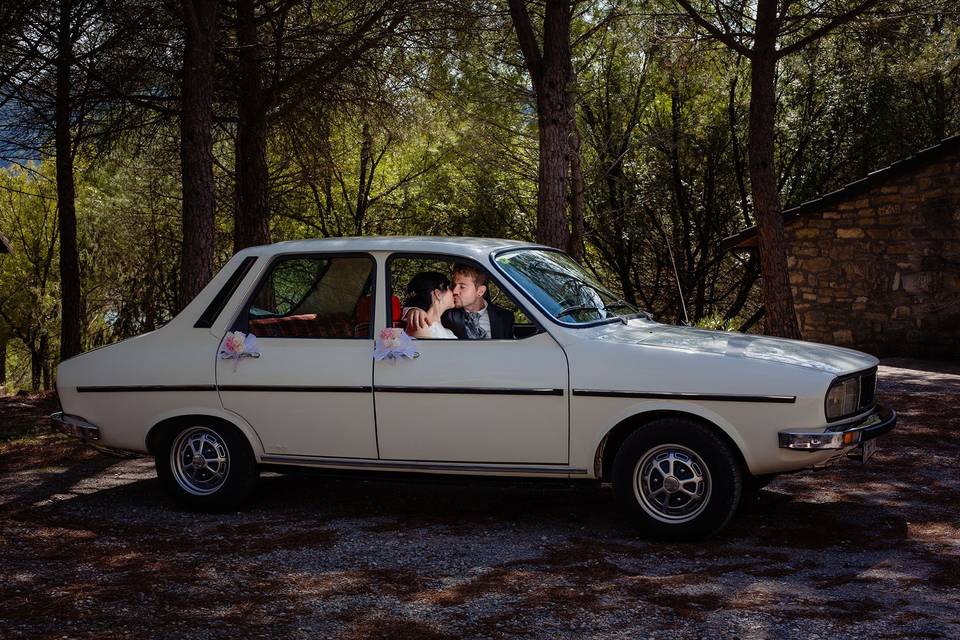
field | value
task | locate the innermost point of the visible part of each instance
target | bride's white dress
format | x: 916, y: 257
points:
x: 438, y: 331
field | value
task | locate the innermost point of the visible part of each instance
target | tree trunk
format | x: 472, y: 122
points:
x: 554, y: 123
x: 364, y: 178
x: 577, y: 230
x: 737, y: 159
x: 3, y: 364
x: 552, y: 174
x: 252, y: 216
x: 66, y: 204
x: 44, y: 355
x: 196, y: 147
x: 781, y: 317
x: 551, y: 75
x: 36, y: 367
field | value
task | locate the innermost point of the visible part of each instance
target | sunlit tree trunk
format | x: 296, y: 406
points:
x: 781, y: 317
x: 550, y: 72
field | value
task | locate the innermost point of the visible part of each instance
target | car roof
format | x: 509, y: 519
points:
x: 476, y: 248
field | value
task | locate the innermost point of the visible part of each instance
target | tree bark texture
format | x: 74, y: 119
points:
x: 551, y: 75
x: 3, y: 363
x: 251, y: 225
x: 66, y: 198
x: 38, y: 358
x: 781, y: 316
x: 577, y: 226
x: 196, y: 147
x: 365, y: 178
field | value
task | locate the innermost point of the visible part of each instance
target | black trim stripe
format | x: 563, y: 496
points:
x: 154, y: 387
x: 680, y: 395
x: 325, y: 389
x: 471, y: 391
x: 294, y: 388
x: 423, y: 466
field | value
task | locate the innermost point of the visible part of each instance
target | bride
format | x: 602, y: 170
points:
x: 431, y: 291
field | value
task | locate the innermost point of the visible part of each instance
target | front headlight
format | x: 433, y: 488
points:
x: 842, y: 398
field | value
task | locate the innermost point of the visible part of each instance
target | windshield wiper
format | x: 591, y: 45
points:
x: 579, y: 307
x: 606, y: 307
x: 619, y: 304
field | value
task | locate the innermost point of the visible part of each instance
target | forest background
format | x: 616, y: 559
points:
x: 143, y: 142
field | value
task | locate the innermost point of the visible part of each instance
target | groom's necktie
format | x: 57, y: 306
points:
x: 471, y: 322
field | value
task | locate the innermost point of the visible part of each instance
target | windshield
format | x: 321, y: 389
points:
x: 562, y: 287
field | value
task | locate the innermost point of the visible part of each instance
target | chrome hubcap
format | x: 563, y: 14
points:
x: 200, y: 461
x: 672, y: 483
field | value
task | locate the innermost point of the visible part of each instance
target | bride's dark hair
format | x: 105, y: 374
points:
x: 421, y: 287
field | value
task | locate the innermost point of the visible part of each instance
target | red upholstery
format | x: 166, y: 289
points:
x: 397, y: 309
x: 308, y: 325
x: 361, y: 326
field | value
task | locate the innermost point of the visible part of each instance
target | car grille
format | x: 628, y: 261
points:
x: 868, y: 389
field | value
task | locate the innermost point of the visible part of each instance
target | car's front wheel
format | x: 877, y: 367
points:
x: 678, y: 479
x: 206, y: 467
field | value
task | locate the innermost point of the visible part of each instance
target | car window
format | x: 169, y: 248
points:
x: 314, y: 297
x: 403, y: 269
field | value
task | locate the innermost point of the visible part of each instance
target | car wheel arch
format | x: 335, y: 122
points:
x: 163, y: 427
x: 615, y: 437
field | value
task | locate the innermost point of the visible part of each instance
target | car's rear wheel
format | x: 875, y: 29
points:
x: 678, y: 479
x: 206, y: 467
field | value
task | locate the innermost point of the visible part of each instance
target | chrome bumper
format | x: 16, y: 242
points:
x: 75, y: 426
x: 880, y: 421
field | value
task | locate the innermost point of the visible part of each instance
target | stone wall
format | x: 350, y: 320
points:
x: 880, y: 271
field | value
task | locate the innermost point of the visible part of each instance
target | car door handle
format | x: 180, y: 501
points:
x: 251, y: 354
x: 416, y: 354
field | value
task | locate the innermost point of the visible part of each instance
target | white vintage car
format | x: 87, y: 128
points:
x: 682, y: 422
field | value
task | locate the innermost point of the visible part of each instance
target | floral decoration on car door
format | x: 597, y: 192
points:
x: 237, y: 345
x: 393, y: 344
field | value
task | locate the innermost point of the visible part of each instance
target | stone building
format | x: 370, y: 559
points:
x: 876, y: 265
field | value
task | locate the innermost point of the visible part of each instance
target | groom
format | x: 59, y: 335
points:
x: 473, y: 318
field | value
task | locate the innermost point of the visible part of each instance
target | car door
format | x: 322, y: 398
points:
x: 479, y: 401
x: 309, y: 393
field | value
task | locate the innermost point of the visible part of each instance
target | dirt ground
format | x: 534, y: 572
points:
x: 90, y: 548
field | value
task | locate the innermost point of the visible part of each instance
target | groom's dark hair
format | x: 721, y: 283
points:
x: 462, y: 269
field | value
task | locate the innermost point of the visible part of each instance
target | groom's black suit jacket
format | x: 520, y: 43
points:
x: 501, y: 322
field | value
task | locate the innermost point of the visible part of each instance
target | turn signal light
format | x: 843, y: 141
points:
x: 852, y: 437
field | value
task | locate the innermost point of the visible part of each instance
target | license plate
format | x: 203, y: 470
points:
x: 867, y: 449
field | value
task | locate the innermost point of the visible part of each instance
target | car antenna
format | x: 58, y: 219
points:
x: 683, y: 304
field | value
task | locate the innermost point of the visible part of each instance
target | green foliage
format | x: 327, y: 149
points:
x: 715, y: 322
x: 29, y: 275
x: 436, y: 134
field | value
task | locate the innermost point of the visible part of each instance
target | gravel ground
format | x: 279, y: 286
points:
x: 89, y: 547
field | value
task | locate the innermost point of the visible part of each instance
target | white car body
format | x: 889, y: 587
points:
x: 545, y: 405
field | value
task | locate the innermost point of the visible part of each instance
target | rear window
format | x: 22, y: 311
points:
x: 313, y: 297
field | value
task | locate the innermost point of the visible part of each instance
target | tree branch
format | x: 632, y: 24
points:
x: 824, y: 29
x: 527, y: 40
x: 721, y: 35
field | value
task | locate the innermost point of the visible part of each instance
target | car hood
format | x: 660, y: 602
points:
x: 810, y: 355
